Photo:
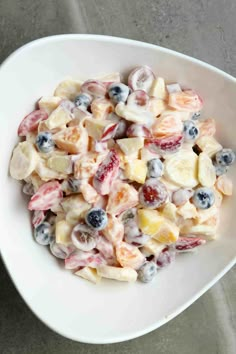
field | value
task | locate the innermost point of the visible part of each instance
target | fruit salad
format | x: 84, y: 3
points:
x: 122, y: 177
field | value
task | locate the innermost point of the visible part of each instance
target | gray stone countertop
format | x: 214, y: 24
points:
x: 205, y: 29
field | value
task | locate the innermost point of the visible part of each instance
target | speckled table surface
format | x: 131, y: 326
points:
x: 204, y: 29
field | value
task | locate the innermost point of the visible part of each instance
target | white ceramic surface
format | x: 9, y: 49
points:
x: 111, y: 311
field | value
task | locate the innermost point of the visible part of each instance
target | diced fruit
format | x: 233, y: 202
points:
x: 94, y: 88
x: 181, y: 169
x: 131, y: 145
x: 122, y: 197
x: 85, y: 166
x: 186, y: 101
x: 149, y: 221
x: 138, y: 98
x: 74, y: 202
x: 89, y: 273
x: 121, y: 274
x: 153, y: 194
x: 147, y: 272
x: 48, y: 194
x: 68, y: 89
x: 166, y: 257
x: 36, y: 181
x: 147, y: 155
x: 47, y: 174
x: 167, y: 125
x: 206, y: 170
x: 63, y: 232
x: 43, y: 233
x: 158, y: 89
x: 121, y: 129
x: 138, y: 130
x: 175, y: 87
x: 31, y: 122
x: 58, y: 117
x: 49, y: 103
x: 209, y: 145
x: 118, y: 92
x: 152, y: 248
x: 206, y: 231
x: 191, y: 131
x: 44, y: 142
x: 187, y: 211
x: 61, y: 164
x: 114, y: 231
x: 165, y: 145
x: 24, y: 160
x: 129, y: 256
x: 83, y: 259
x: 203, y: 198
x: 182, y: 196
x: 83, y: 237
x: 72, y: 139
x: 224, y: 185
x: 168, y: 233
x: 170, y: 212
x: 135, y: 114
x: 136, y: 170
x: 205, y: 215
x: 141, y: 78
x: 156, y: 106
x: 97, y: 128
x: 89, y: 193
x: 186, y: 244
x: 101, y: 107
x: 106, y: 173
x: 207, y: 127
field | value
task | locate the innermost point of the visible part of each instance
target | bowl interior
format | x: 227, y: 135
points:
x: 111, y: 311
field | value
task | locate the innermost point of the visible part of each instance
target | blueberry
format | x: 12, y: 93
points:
x: 96, y: 218
x: 220, y: 170
x: 128, y: 215
x: 74, y: 185
x: 43, y: 233
x: 155, y: 168
x: 203, y: 198
x: 44, y: 142
x: 118, y: 92
x: 196, y: 115
x: 191, y: 132
x: 147, y: 272
x: 225, y: 157
x: 83, y: 100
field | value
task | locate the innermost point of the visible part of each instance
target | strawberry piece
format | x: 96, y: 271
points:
x: 95, y: 88
x: 185, y: 244
x: 141, y: 78
x: 168, y: 144
x: 109, y: 132
x: 138, y: 98
x: 138, y: 130
x: 166, y: 257
x: 38, y: 217
x: 106, y: 172
x: 31, y: 121
x: 83, y: 259
x: 107, y: 250
x: 47, y: 196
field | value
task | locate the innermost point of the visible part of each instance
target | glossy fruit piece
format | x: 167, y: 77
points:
x: 120, y: 274
x: 106, y: 248
x: 89, y: 273
x: 167, y: 125
x: 68, y: 89
x: 185, y: 244
x: 96, y: 129
x: 141, y: 78
x: 59, y: 117
x: 165, y: 145
x: 24, y: 161
x: 49, y: 103
x: 94, y: 88
x: 83, y: 237
x: 166, y: 257
x: 61, y: 251
x: 155, y: 168
x: 156, y: 106
x: 153, y: 194
x: 130, y: 146
x: 31, y: 122
x: 122, y: 197
x: 138, y: 98
x: 158, y: 89
x: 207, y: 127
x: 149, y: 221
x: 38, y: 217
x: 82, y: 259
x: 63, y: 232
x: 62, y: 164
x: 147, y: 272
x: 203, y: 198
x: 96, y: 218
x: 187, y: 211
x: 72, y: 139
x: 118, y: 92
x: 138, y: 130
x: 224, y: 185
x: 89, y: 193
x: 147, y: 155
x: 101, y: 108
x: 114, y: 231
x: 129, y: 256
x: 185, y: 101
x: 85, y: 166
x: 121, y: 129
x: 182, y: 196
x: 134, y: 114
x: 170, y: 212
x: 136, y: 170
x: 168, y: 233
x: 48, y: 195
x: 106, y: 173
x: 43, y: 233
x: 152, y: 248
x: 206, y: 170
x: 74, y: 202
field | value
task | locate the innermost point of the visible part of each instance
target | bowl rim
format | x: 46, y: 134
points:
x: 105, y: 38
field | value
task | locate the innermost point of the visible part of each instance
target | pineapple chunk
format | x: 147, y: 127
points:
x: 147, y: 155
x: 152, y: 247
x: 61, y: 164
x: 73, y: 216
x: 158, y: 89
x: 209, y: 145
x: 75, y: 201
x: 72, y: 140
x: 149, y: 221
x: 89, y: 273
x: 95, y: 128
x: 170, y: 212
x: 130, y: 146
x: 46, y: 173
x: 89, y: 193
x: 136, y: 170
x: 129, y: 256
x: 168, y: 233
x: 63, y: 232
x: 101, y: 107
x: 49, y: 103
x: 68, y: 89
x: 187, y: 211
x: 58, y: 117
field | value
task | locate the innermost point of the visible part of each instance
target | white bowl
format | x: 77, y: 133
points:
x: 112, y: 311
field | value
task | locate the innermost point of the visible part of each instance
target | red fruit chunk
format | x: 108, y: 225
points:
x: 138, y: 130
x: 106, y: 172
x: 185, y: 244
x: 83, y: 259
x: 109, y: 132
x: 95, y: 88
x: 48, y: 195
x: 31, y: 122
x: 141, y: 78
x: 38, y: 217
x: 165, y: 145
x: 153, y: 194
x: 138, y: 98
x: 166, y: 257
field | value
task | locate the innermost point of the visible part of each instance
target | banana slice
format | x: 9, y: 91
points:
x: 68, y: 89
x: 209, y: 145
x: 121, y: 274
x: 207, y: 231
x: 89, y: 273
x: 181, y: 169
x: 24, y: 160
x: 206, y: 170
